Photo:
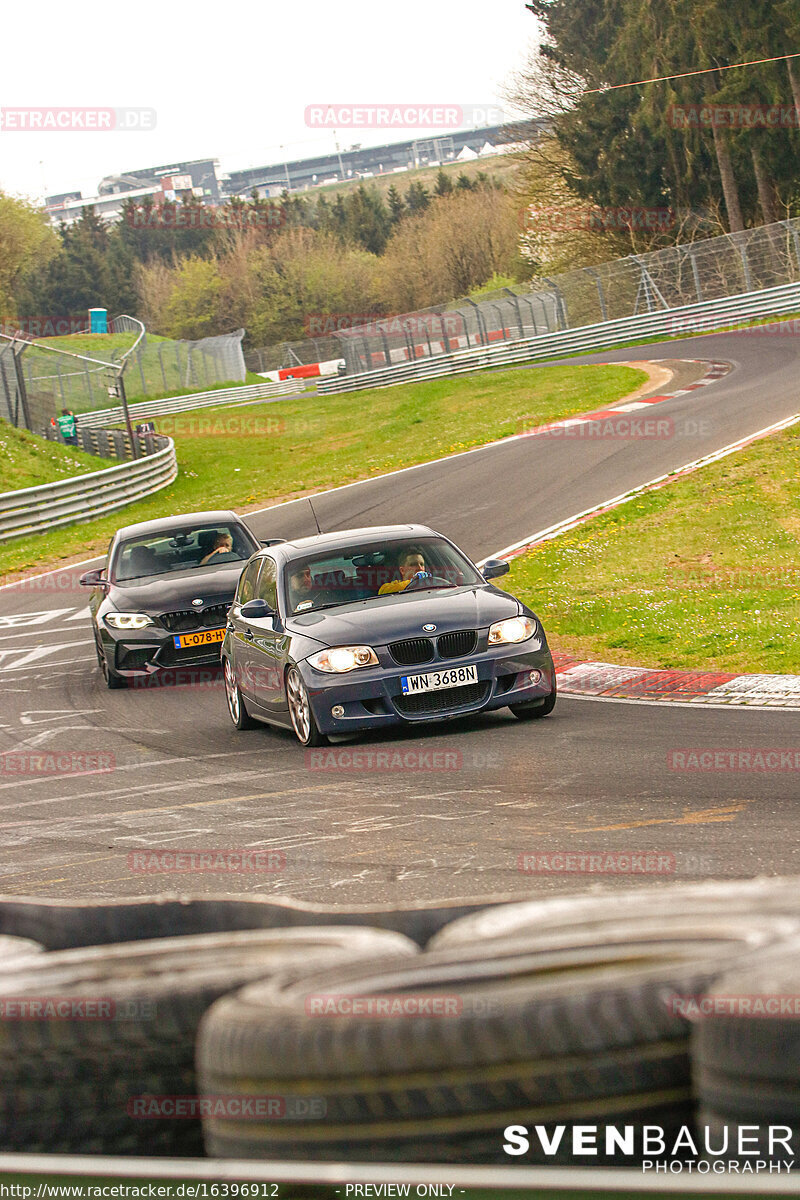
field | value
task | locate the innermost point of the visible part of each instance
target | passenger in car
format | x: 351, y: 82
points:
x: 410, y: 563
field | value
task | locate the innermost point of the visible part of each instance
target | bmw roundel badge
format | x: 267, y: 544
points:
x: 197, y: 604
x: 429, y: 628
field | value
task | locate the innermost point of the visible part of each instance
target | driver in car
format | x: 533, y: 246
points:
x: 223, y: 544
x: 410, y: 564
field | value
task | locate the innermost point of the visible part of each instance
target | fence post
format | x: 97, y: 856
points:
x: 598, y: 283
x: 561, y: 305
x: 696, y: 275
x: 515, y: 298
x: 17, y: 351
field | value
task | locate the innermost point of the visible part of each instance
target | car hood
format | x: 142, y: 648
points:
x: 162, y: 593
x: 394, y: 617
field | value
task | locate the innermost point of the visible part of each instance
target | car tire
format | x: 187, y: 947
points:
x: 14, y: 949
x: 554, y: 1031
x: 110, y: 677
x: 237, y: 709
x: 593, y: 911
x: 745, y: 1063
x: 70, y: 1084
x: 64, y: 925
x: 301, y: 713
x: 535, y: 710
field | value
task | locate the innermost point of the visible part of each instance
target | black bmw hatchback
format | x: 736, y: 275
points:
x: 162, y: 600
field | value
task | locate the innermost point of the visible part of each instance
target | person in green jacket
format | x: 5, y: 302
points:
x: 68, y: 427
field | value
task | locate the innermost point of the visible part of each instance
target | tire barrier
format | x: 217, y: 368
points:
x: 592, y: 912
x: 14, y: 949
x: 97, y: 1045
x: 430, y: 1060
x: 746, y: 1052
x: 63, y: 924
x: 274, y: 1030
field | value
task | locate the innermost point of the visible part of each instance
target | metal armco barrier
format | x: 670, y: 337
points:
x: 693, y: 318
x: 179, y: 404
x: 35, y: 509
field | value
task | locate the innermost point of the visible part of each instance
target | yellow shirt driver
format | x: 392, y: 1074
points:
x: 410, y: 563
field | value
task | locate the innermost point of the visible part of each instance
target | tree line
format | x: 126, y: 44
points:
x: 271, y: 267
x: 720, y: 147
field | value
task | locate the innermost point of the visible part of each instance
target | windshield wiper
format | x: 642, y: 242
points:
x: 319, y: 607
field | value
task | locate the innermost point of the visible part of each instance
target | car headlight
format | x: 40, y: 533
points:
x: 340, y: 659
x: 513, y: 629
x: 121, y: 620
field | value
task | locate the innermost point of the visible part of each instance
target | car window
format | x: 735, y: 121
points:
x: 246, y: 590
x: 181, y: 549
x: 341, y: 576
x: 267, y: 587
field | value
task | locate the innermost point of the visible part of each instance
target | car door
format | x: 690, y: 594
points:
x: 267, y: 643
x: 241, y: 630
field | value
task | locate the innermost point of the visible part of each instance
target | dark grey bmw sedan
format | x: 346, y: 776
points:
x: 369, y: 628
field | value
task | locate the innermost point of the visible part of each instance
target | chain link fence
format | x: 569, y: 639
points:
x: 38, y: 382
x: 688, y: 273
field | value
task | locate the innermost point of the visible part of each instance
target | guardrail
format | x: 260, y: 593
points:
x: 746, y: 306
x: 177, y: 404
x: 34, y: 509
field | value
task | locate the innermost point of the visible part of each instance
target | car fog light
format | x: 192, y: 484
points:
x: 535, y: 676
x: 337, y: 711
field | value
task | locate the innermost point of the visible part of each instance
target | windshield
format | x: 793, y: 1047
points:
x: 373, y: 571
x: 181, y: 549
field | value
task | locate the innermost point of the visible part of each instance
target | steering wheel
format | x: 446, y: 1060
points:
x: 424, y: 579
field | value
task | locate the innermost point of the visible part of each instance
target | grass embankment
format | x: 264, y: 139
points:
x: 102, y: 348
x: 249, y: 456
x: 27, y: 460
x: 704, y: 572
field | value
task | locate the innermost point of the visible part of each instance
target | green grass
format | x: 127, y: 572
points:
x: 95, y: 345
x: 702, y: 573
x: 255, y: 455
x: 28, y: 460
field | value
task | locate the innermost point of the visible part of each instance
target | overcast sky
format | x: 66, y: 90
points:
x: 233, y: 81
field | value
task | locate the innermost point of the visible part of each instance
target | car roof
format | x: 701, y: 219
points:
x: 351, y: 537
x: 164, y: 524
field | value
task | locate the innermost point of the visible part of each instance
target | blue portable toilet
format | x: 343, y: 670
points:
x: 98, y: 320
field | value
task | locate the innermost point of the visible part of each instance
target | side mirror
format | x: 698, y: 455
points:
x: 493, y: 568
x: 272, y: 542
x: 255, y: 609
x: 93, y: 579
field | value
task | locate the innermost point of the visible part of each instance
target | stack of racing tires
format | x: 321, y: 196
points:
x: 255, y: 1029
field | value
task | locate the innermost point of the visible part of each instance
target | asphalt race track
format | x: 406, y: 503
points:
x: 161, y: 768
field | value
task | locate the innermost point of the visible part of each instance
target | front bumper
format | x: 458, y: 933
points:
x: 142, y: 652
x: 373, y: 698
